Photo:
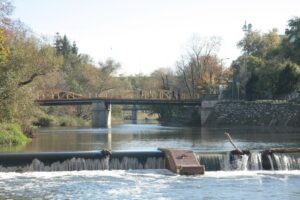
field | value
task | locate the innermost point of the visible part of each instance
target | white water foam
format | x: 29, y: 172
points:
x: 155, y: 173
x: 220, y: 174
x: 149, y: 184
x: 130, y: 174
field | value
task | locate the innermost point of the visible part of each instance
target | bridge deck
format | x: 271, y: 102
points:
x: 88, y: 101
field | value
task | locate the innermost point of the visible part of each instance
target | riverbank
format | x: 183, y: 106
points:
x: 263, y: 113
x: 61, y: 120
x: 72, y: 121
x: 254, y: 113
x: 12, y: 134
x: 182, y: 116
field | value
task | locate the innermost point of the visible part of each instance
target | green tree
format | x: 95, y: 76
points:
x: 260, y: 44
x: 252, y: 88
x: 262, y: 61
x: 28, y: 59
x: 288, y: 79
x: 291, y: 45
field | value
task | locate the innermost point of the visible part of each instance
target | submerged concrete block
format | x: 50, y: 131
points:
x: 181, y: 161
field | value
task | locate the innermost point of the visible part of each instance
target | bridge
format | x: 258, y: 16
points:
x: 101, y: 104
x: 121, y: 101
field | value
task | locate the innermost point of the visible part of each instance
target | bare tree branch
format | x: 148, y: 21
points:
x: 231, y: 141
x: 32, y: 77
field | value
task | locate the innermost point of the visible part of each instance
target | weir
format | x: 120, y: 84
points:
x: 76, y: 161
x: 124, y: 160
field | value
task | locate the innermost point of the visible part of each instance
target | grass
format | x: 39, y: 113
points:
x: 12, y: 134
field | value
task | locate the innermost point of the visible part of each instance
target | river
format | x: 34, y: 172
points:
x: 157, y: 183
x: 152, y: 136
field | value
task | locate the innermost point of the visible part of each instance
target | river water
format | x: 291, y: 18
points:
x: 158, y: 183
x: 152, y: 136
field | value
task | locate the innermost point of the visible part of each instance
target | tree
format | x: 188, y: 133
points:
x: 109, y: 67
x: 261, y: 61
x: 27, y: 60
x: 260, y: 44
x: 6, y: 9
x: 97, y: 80
x: 164, y: 77
x: 251, y: 87
x: 4, y: 50
x: 291, y: 45
x: 63, y: 46
x: 192, y: 66
x: 73, y: 63
x: 288, y: 79
x: 74, y: 48
x: 251, y: 43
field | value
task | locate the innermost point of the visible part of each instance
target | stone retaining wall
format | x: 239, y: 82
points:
x: 270, y: 113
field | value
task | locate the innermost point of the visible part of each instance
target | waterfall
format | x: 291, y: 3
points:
x: 214, y: 161
x: 254, y: 161
x: 124, y: 160
x: 78, y: 164
x: 284, y: 161
x: 74, y: 164
x: 239, y: 162
x: 223, y: 161
x: 271, y: 162
x: 133, y: 163
x: 243, y: 165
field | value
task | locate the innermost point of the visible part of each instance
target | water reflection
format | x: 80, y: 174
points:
x: 152, y: 136
x: 109, y: 135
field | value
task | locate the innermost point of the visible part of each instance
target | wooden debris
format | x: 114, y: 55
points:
x: 231, y: 141
x: 281, y: 150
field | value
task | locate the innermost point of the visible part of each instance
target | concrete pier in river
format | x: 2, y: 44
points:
x: 101, y: 115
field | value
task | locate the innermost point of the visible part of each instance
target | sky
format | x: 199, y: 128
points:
x: 144, y: 35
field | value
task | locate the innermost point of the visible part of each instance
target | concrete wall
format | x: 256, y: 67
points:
x: 206, y: 110
x: 263, y: 113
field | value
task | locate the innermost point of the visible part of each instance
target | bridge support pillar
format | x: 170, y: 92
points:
x: 206, y: 109
x: 134, y: 113
x: 101, y: 115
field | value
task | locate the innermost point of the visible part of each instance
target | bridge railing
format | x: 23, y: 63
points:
x: 59, y: 95
x: 119, y: 94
